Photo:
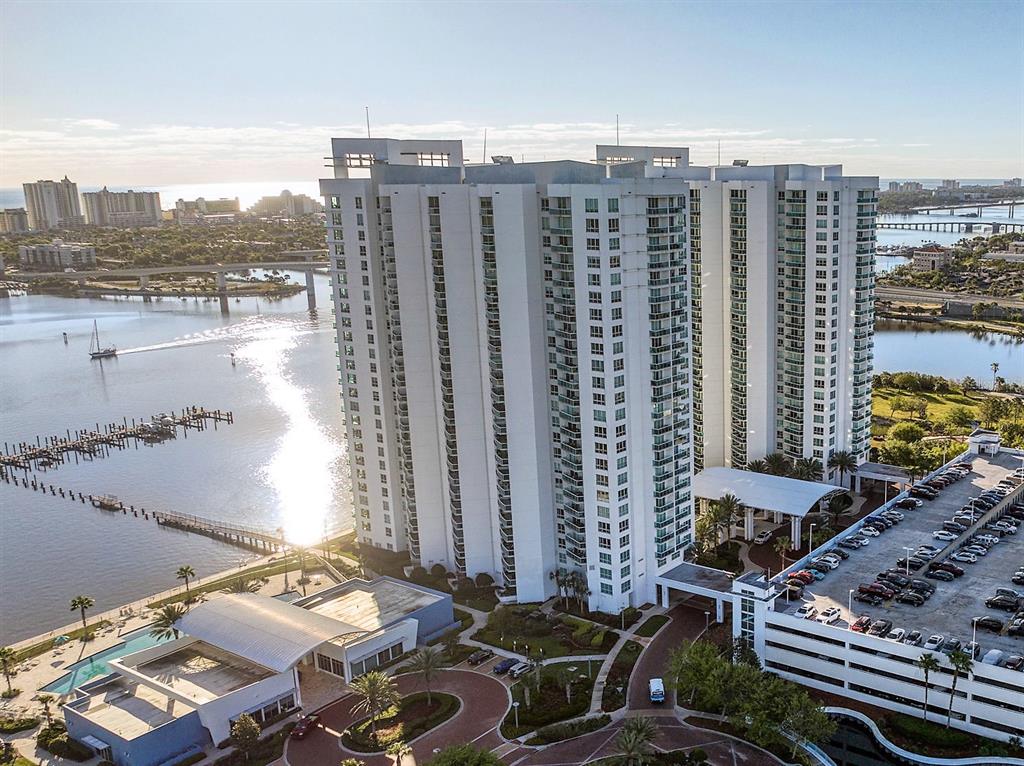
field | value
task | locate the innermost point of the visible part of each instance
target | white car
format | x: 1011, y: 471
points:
x: 934, y: 642
x: 829, y: 563
x: 869, y: 531
x: 520, y: 669
x: 896, y: 634
x: 894, y: 514
x: 977, y: 550
x: 942, y: 534
x: 830, y: 615
x: 807, y: 612
x: 965, y: 557
x: 762, y: 537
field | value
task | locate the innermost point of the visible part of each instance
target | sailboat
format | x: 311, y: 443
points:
x: 96, y: 351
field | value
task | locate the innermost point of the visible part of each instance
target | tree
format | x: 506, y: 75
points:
x: 186, y: 573
x: 968, y: 384
x: 427, y: 662
x: 995, y: 369
x: 636, y: 740
x: 807, y: 468
x: 243, y: 585
x: 7, y: 656
x: 962, y: 663
x: 163, y: 625
x: 688, y: 669
x: 959, y: 417
x: 46, y: 700
x: 992, y: 410
x: 398, y: 751
x: 245, y: 734
x: 82, y: 604
x: 781, y: 546
x: 777, y: 464
x: 724, y: 513
x: 928, y: 665
x: 905, y: 432
x: 465, y: 755
x: 806, y: 721
x: 377, y: 692
x: 757, y: 466
x: 845, y: 462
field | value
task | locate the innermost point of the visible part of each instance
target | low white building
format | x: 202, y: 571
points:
x: 57, y: 255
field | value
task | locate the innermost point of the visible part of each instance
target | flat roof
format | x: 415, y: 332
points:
x: 883, y: 469
x: 203, y: 672
x: 261, y: 629
x: 371, y: 605
x: 703, y: 577
x: 129, y: 709
x: 763, y: 491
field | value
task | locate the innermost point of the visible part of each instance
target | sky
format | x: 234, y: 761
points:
x: 136, y: 93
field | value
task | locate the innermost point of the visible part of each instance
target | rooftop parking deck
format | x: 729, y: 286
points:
x: 203, y: 672
x: 129, y: 709
x: 950, y: 609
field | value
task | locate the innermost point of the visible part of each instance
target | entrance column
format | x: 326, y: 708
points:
x: 794, y: 530
x: 719, y: 610
x: 777, y: 517
x: 748, y: 523
x: 664, y: 596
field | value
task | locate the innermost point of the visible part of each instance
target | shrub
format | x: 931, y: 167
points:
x: 419, y: 575
x: 54, y: 739
x: 928, y: 733
x: 194, y: 758
x: 598, y: 639
x: 562, y: 731
x: 11, y: 725
x: 438, y: 570
x: 484, y: 580
x: 392, y: 728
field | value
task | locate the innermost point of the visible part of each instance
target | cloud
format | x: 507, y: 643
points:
x: 93, y: 123
x: 95, y: 150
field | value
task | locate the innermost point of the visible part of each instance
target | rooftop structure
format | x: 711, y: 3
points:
x: 371, y: 606
x: 202, y: 672
x: 129, y: 709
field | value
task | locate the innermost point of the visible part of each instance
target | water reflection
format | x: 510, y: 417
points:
x: 300, y: 471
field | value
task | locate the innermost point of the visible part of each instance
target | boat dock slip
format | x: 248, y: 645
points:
x: 87, y: 444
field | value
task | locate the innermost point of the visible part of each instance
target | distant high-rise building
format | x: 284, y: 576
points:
x: 57, y: 255
x: 13, y: 220
x: 286, y: 204
x: 122, y: 209
x: 533, y: 355
x: 1012, y: 182
x: 53, y: 205
x: 949, y: 183
x: 201, y: 210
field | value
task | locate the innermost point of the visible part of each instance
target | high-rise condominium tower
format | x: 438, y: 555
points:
x: 53, y: 204
x: 516, y: 352
x: 126, y: 209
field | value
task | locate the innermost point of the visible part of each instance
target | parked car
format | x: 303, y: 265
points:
x: 871, y: 599
x: 807, y: 612
x: 922, y: 585
x: 896, y: 634
x: 819, y: 567
x: 305, y: 725
x: 830, y: 615
x: 989, y: 623
x: 762, y: 537
x: 1009, y: 593
x: 920, y: 491
x: 914, y: 638
x: 877, y: 588
x: 891, y: 514
x: 952, y: 526
x: 1002, y: 602
x: 480, y: 656
x: 503, y: 667
x: 839, y: 552
x: 861, y: 624
x: 942, y: 534
x: 951, y: 645
x: 895, y: 578
x: 848, y: 543
x: 993, y: 657
x: 913, y: 563
x: 946, y: 566
x: 940, y: 574
x: 972, y: 649
x: 967, y: 558
x: 911, y: 597
x: 520, y: 669
x: 934, y: 642
x: 805, y: 576
x: 869, y: 530
x: 1015, y: 662
x: 909, y: 503
x: 880, y: 627
x: 977, y: 550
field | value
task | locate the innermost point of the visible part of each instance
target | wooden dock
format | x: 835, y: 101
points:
x: 91, y: 443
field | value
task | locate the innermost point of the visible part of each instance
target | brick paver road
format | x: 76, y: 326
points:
x: 687, y: 623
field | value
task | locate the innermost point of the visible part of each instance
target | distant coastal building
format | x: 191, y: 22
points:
x: 122, y: 209
x: 1015, y: 182
x: 13, y: 220
x: 949, y: 183
x: 905, y: 186
x: 206, y: 211
x: 53, y: 205
x: 286, y: 204
x: 931, y: 258
x: 247, y: 653
x: 57, y: 255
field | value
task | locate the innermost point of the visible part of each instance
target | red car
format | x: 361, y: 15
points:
x: 305, y: 726
x: 861, y: 625
x: 804, y: 576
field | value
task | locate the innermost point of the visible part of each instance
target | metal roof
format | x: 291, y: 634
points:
x: 793, y: 497
x: 263, y: 630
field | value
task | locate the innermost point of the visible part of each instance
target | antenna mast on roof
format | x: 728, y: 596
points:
x: 484, y: 160
x: 367, y: 122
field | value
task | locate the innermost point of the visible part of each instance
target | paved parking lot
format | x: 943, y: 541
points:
x: 950, y: 609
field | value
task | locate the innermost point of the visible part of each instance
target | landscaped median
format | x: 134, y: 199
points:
x: 558, y: 732
x: 528, y: 630
x: 549, y: 694
x: 412, y: 717
x: 651, y: 625
x: 616, y: 684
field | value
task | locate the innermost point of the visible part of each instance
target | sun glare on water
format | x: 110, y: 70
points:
x: 300, y: 471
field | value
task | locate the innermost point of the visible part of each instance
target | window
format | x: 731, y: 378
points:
x: 591, y: 204
x: 606, y: 588
x: 613, y: 205
x: 593, y: 225
x: 613, y: 224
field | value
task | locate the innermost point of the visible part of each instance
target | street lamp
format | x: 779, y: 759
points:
x: 707, y: 621
x: 908, y: 550
x: 849, y: 611
x: 974, y: 634
x: 515, y: 707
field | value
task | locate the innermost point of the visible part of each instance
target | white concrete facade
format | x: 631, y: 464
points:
x: 57, y: 255
x: 53, y: 204
x: 122, y: 209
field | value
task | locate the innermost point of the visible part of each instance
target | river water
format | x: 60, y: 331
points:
x: 279, y: 464
x: 282, y: 462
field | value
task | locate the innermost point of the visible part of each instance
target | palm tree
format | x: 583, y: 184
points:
x: 928, y: 664
x: 243, y: 585
x: 6, y: 661
x: 757, y: 466
x: 807, y: 469
x: 398, y: 750
x: 635, y: 741
x: 186, y: 573
x: 962, y: 663
x: 995, y: 368
x: 780, y: 546
x: 845, y: 462
x: 377, y: 692
x: 163, y: 625
x: 426, y: 661
x: 727, y: 510
x: 777, y: 464
x: 81, y: 604
x: 46, y: 700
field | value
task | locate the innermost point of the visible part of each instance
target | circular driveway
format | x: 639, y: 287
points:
x: 485, y: 701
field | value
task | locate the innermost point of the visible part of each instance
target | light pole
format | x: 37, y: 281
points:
x: 849, y: 611
x: 707, y: 621
x: 974, y: 632
x: 515, y: 707
x: 908, y: 549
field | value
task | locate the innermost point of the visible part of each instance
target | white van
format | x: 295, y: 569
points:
x: 656, y: 690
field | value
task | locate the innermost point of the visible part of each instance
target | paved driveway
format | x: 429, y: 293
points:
x: 484, y: 699
x: 687, y: 623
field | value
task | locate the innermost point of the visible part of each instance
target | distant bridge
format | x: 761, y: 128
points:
x: 143, y: 273
x: 977, y: 205
x: 952, y: 226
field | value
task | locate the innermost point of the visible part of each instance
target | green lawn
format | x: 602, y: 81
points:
x: 617, y: 683
x: 651, y: 625
x: 549, y: 703
x: 939, y: 405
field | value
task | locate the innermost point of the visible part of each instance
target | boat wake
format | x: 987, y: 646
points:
x: 250, y: 329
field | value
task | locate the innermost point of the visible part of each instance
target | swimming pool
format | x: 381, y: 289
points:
x: 96, y: 664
